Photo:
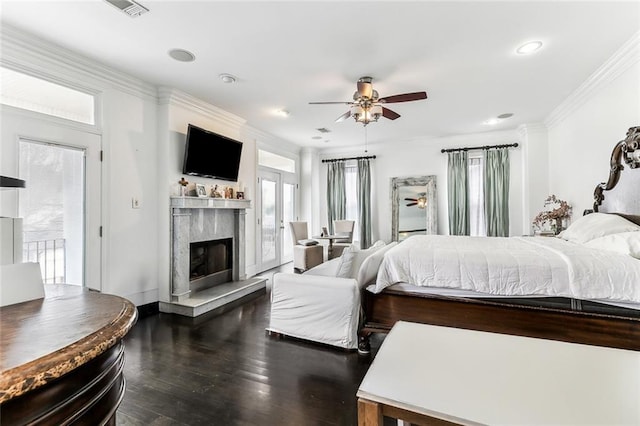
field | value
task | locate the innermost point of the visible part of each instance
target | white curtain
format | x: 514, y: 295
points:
x: 476, y: 196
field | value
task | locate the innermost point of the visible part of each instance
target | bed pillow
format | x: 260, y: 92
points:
x: 596, y: 225
x: 345, y: 264
x: 352, y: 257
x: 369, y: 269
x: 623, y: 242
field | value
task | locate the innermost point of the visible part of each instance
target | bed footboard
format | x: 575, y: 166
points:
x: 611, y: 330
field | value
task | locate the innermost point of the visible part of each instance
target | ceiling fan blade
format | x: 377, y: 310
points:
x: 343, y: 116
x: 365, y: 89
x: 411, y: 204
x: 391, y: 115
x: 331, y: 103
x: 405, y: 97
x: 410, y: 199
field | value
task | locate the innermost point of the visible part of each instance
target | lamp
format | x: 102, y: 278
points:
x: 366, y: 113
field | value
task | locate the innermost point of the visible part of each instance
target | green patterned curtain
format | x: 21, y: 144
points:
x: 458, y: 194
x: 336, y: 198
x: 496, y: 192
x: 364, y: 202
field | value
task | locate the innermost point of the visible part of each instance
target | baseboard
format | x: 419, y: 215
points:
x: 148, y: 309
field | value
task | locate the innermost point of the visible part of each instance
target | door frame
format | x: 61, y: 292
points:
x: 280, y: 177
x: 29, y: 126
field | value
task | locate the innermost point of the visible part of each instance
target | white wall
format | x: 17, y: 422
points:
x: 130, y: 170
x: 422, y: 158
x: 583, y: 130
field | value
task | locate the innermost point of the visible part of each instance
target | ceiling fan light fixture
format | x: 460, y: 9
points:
x: 422, y: 202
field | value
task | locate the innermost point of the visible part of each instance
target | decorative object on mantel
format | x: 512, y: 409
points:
x: 201, y: 190
x: 561, y: 212
x: 183, y: 186
x: 228, y: 192
x: 215, y: 193
x: 240, y: 195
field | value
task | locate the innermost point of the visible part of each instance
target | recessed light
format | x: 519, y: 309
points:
x: 491, y: 121
x: 505, y: 115
x: 316, y: 137
x: 283, y: 113
x: 182, y: 55
x: 227, y: 78
x: 529, y: 47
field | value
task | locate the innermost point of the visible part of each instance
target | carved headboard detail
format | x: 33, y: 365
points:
x: 625, y: 198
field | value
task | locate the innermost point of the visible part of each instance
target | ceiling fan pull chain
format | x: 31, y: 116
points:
x: 365, y: 140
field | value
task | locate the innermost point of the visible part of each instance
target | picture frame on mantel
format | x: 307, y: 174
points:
x: 201, y: 191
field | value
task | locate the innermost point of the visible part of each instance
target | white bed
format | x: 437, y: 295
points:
x: 580, y: 265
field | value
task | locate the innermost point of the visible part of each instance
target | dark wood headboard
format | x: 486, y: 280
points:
x: 621, y: 193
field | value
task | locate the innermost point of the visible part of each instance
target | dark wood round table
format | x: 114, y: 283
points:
x: 61, y: 357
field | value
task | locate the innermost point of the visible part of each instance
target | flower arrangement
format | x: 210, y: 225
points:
x: 561, y: 210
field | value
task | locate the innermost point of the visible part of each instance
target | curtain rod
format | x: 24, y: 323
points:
x: 333, y: 160
x: 509, y: 145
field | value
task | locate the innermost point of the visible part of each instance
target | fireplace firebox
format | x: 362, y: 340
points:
x: 211, y: 263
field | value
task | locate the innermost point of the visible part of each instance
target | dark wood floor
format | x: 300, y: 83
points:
x: 225, y: 370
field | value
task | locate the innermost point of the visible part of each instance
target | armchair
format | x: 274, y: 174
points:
x: 306, y: 253
x: 342, y: 227
x: 323, y: 305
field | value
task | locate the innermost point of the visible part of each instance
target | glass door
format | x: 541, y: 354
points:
x: 277, y: 207
x: 52, y: 208
x: 269, y: 221
x: 288, y: 215
x: 61, y: 204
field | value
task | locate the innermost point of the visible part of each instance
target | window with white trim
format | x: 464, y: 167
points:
x: 23, y: 91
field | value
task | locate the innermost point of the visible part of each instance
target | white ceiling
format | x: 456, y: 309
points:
x: 286, y: 54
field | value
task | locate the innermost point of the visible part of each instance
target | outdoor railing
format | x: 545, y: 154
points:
x: 51, y: 254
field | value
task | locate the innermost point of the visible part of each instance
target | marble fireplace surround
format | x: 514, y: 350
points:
x: 203, y: 219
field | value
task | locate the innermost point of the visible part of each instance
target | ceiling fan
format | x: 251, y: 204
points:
x: 367, y: 105
x: 421, y: 201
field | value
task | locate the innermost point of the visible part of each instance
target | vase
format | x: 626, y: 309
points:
x: 558, y: 227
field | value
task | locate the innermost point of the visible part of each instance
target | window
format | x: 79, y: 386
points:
x: 275, y: 161
x: 34, y: 94
x: 476, y: 196
x: 351, y: 192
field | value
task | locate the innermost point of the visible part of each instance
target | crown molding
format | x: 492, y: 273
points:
x: 174, y: 97
x: 271, y: 142
x: 626, y: 56
x: 525, y: 130
x: 26, y: 50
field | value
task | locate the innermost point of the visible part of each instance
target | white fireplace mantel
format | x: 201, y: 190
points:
x: 209, y: 203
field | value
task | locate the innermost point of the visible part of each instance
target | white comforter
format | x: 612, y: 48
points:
x: 518, y: 266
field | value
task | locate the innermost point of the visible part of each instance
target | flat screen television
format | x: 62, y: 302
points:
x: 211, y: 155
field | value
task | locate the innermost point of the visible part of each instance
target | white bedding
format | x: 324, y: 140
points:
x: 514, y: 266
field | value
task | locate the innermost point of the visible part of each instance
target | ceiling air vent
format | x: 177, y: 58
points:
x: 129, y: 7
x: 323, y: 130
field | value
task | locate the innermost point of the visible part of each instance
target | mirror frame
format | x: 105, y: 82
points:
x: 431, y: 209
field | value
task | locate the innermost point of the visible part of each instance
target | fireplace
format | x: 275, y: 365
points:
x: 211, y: 262
x: 204, y: 227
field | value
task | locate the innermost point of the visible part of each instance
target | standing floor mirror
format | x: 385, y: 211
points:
x: 414, y: 210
